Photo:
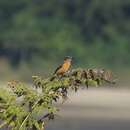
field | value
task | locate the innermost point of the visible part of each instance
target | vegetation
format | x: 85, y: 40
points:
x: 23, y: 107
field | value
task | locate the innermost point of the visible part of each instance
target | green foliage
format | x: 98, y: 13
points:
x: 23, y: 107
x: 55, y: 28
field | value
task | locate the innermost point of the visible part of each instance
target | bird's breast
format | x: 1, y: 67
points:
x: 66, y: 66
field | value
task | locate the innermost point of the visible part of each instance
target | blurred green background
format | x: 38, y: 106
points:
x: 35, y: 35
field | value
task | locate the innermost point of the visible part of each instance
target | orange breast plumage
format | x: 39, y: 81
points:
x: 64, y: 68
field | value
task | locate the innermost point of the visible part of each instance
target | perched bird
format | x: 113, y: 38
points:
x: 62, y: 69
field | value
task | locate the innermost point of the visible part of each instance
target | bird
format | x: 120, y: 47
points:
x: 63, y: 68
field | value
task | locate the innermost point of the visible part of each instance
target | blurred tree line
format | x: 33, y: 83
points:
x: 95, y: 32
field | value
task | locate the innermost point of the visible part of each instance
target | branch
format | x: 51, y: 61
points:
x: 23, y: 101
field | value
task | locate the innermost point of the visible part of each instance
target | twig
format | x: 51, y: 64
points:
x: 28, y: 115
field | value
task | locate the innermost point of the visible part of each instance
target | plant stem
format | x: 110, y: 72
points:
x: 28, y: 115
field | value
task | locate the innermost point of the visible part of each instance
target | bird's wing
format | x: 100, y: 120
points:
x: 57, y: 69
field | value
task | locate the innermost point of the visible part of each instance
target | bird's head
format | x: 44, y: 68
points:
x: 68, y: 59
